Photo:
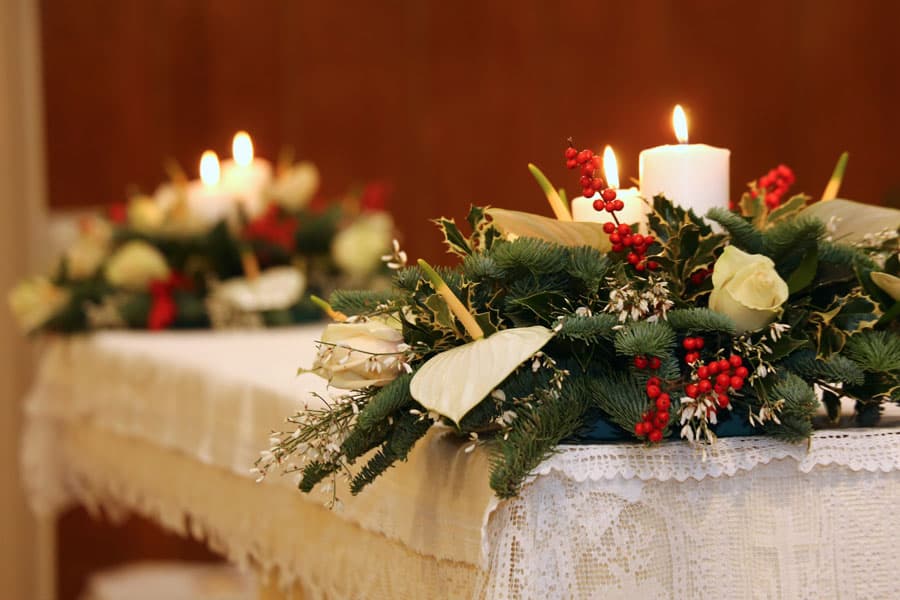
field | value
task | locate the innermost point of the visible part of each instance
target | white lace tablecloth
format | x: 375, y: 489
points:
x: 168, y: 425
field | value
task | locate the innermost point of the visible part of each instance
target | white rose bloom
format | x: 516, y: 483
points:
x: 747, y: 288
x: 35, y: 301
x: 357, y: 355
x: 135, y: 265
x: 145, y: 213
x: 294, y: 189
x: 357, y: 250
x: 275, y: 288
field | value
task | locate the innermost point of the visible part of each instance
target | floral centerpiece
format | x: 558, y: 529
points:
x: 547, y: 332
x: 199, y: 255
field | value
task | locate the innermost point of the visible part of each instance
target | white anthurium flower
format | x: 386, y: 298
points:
x: 850, y: 221
x: 85, y: 255
x: 35, y: 301
x: 357, y: 249
x: 295, y: 188
x: 273, y: 289
x: 747, y: 288
x: 889, y: 283
x: 135, y: 265
x: 357, y: 355
x: 453, y: 382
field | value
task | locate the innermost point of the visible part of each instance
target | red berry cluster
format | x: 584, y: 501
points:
x: 642, y: 362
x: 655, y: 420
x: 591, y: 182
x: 698, y: 277
x: 718, y: 378
x: 775, y: 184
x: 693, y: 346
x: 621, y: 237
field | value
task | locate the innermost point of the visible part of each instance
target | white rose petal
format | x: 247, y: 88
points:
x: 747, y: 288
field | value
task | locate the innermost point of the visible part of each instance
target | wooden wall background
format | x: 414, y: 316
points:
x: 450, y: 100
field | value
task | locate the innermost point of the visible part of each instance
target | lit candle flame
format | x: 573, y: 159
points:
x: 209, y: 168
x: 610, y: 168
x: 242, y: 149
x: 679, y: 120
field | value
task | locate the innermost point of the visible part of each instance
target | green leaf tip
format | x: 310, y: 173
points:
x: 837, y: 176
x: 560, y: 210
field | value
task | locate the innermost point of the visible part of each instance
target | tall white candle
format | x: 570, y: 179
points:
x: 245, y: 176
x: 208, y: 201
x: 691, y: 175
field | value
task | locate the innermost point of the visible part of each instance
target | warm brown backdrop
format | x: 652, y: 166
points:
x: 450, y: 100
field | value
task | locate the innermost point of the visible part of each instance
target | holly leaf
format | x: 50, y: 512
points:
x: 753, y: 207
x: 455, y: 381
x: 804, y: 274
x: 453, y: 237
x: 788, y: 209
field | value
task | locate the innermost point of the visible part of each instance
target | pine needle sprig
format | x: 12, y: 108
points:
x: 700, y: 319
x: 834, y: 369
x: 359, y: 302
x: 406, y: 431
x: 743, y: 234
x: 796, y: 413
x: 645, y: 338
x: 588, y: 329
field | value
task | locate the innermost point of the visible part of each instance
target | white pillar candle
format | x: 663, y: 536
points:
x: 583, y: 210
x: 207, y: 200
x: 246, y: 177
x: 691, y: 175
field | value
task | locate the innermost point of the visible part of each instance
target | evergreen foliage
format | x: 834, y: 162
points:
x: 743, y: 234
x: 700, y: 319
x: 645, y: 338
x: 355, y: 302
x: 406, y: 431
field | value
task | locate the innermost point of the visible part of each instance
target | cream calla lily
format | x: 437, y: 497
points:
x: 747, y: 288
x: 35, y: 301
x: 135, y: 265
x: 358, y: 355
x: 275, y: 288
x: 454, y: 382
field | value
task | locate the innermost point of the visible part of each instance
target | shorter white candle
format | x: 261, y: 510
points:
x: 245, y: 176
x: 208, y: 201
x: 583, y: 210
x: 691, y: 175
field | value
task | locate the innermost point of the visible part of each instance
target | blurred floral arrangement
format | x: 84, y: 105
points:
x: 248, y: 245
x: 552, y: 331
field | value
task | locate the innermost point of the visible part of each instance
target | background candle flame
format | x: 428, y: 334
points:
x: 679, y: 121
x: 242, y: 149
x: 209, y: 168
x: 610, y: 168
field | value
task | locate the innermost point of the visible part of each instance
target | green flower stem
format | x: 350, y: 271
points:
x: 834, y: 184
x: 556, y: 203
x: 334, y: 315
x: 456, y: 307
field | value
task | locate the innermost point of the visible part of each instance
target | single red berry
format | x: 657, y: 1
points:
x: 724, y: 365
x: 691, y: 390
x: 737, y: 382
x: 610, y: 207
x: 655, y: 362
x: 722, y: 400
x: 653, y: 380
x: 587, y: 170
x: 583, y: 157
x: 627, y: 240
x: 704, y: 385
x: 585, y: 181
x: 571, y: 163
x: 598, y: 206
x: 652, y: 265
x: 742, y: 372
x: 632, y: 258
x: 617, y: 247
x: 624, y: 229
x: 649, y: 239
x: 713, y: 367
x: 700, y: 343
x: 571, y: 153
x: 638, y: 239
x: 608, y: 194
x: 689, y: 343
x: 723, y: 379
x: 639, y: 429
x: 640, y: 267
x: 698, y: 277
x: 653, y: 391
x: 692, y: 357
x: 735, y: 361
x: 609, y: 226
x: 587, y: 192
x: 720, y: 389
x: 655, y: 436
x: 597, y: 162
x: 619, y: 204
x: 640, y: 362
x: 662, y: 419
x: 663, y: 401
x: 596, y: 184
x: 703, y: 372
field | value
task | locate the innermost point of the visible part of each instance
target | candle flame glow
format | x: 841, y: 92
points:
x: 679, y: 121
x: 610, y: 168
x: 242, y: 149
x: 209, y: 168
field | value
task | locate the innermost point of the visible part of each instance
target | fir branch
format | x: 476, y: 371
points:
x: 645, y: 338
x: 796, y: 414
x: 621, y: 397
x: 700, y: 319
x: 406, y: 431
x: 792, y: 236
x: 315, y: 472
x: 359, y: 302
x: 835, y: 368
x: 588, y: 329
x: 875, y: 351
x: 534, y: 435
x: 743, y: 234
x: 408, y: 278
x: 388, y: 401
x: 587, y: 265
x: 530, y: 254
x: 844, y: 254
x: 480, y: 267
